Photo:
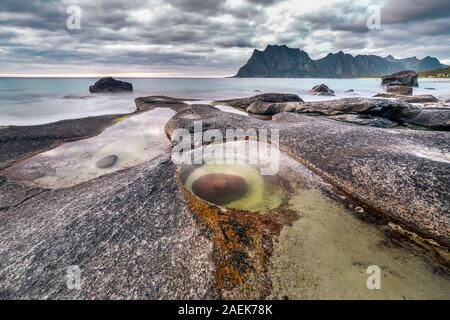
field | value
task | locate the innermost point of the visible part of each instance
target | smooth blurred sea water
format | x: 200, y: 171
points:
x: 30, y: 101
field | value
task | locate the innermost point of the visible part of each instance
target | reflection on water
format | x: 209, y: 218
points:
x: 132, y: 140
x: 325, y: 254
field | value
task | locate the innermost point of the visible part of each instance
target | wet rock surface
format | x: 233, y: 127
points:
x: 138, y: 234
x: 365, y: 120
x: 393, y: 110
x: 402, y: 175
x: 432, y: 118
x: 265, y: 108
x: 21, y: 142
x: 426, y: 98
x: 265, y: 97
x: 110, y: 85
x: 151, y: 102
x: 17, y: 143
x: 390, y: 109
x: 131, y: 234
x: 13, y: 193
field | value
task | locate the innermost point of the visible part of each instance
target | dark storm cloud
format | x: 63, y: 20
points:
x: 39, y: 14
x: 264, y: 2
x: 198, y: 5
x: 212, y: 34
x: 343, y: 16
x: 405, y: 11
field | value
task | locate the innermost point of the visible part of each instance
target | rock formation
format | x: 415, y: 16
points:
x: 265, y: 97
x: 283, y: 62
x: 402, y: 78
x: 321, y: 90
x: 137, y: 234
x: 110, y: 85
x: 398, y: 89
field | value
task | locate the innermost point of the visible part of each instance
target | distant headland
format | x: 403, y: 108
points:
x: 280, y: 61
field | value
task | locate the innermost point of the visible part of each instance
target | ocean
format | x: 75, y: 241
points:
x: 31, y: 101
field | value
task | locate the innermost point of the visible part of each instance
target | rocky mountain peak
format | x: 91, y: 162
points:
x: 280, y: 61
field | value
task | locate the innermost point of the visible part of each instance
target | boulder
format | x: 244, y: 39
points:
x: 265, y: 108
x: 110, y: 85
x: 365, y: 120
x: 393, y: 110
x: 151, y: 102
x: 425, y: 98
x: 404, y: 90
x: 106, y: 162
x: 432, y: 118
x: 220, y: 188
x: 402, y: 78
x: 265, y: 97
x: 349, y: 91
x: 387, y: 95
x: 322, y: 90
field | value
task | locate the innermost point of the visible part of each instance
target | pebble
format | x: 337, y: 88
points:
x: 106, y: 162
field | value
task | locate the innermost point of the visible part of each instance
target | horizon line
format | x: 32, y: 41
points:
x: 128, y: 76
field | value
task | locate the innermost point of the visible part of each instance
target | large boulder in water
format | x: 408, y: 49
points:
x: 110, y: 85
x: 322, y: 90
x: 265, y: 97
x: 402, y: 78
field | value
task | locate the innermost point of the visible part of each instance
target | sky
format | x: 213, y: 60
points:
x: 206, y: 38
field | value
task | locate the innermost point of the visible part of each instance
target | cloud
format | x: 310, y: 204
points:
x: 201, y: 36
x: 405, y: 11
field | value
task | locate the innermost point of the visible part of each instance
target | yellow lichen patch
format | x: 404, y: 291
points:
x: 243, y: 243
x: 122, y: 118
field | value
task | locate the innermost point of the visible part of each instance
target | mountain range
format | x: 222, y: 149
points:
x: 284, y: 62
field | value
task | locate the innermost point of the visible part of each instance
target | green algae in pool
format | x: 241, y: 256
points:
x: 326, y: 253
x: 131, y: 141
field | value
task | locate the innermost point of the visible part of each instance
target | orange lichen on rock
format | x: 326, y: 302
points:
x: 243, y: 244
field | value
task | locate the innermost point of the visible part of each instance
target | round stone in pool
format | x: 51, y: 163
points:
x: 220, y: 188
x: 106, y: 162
